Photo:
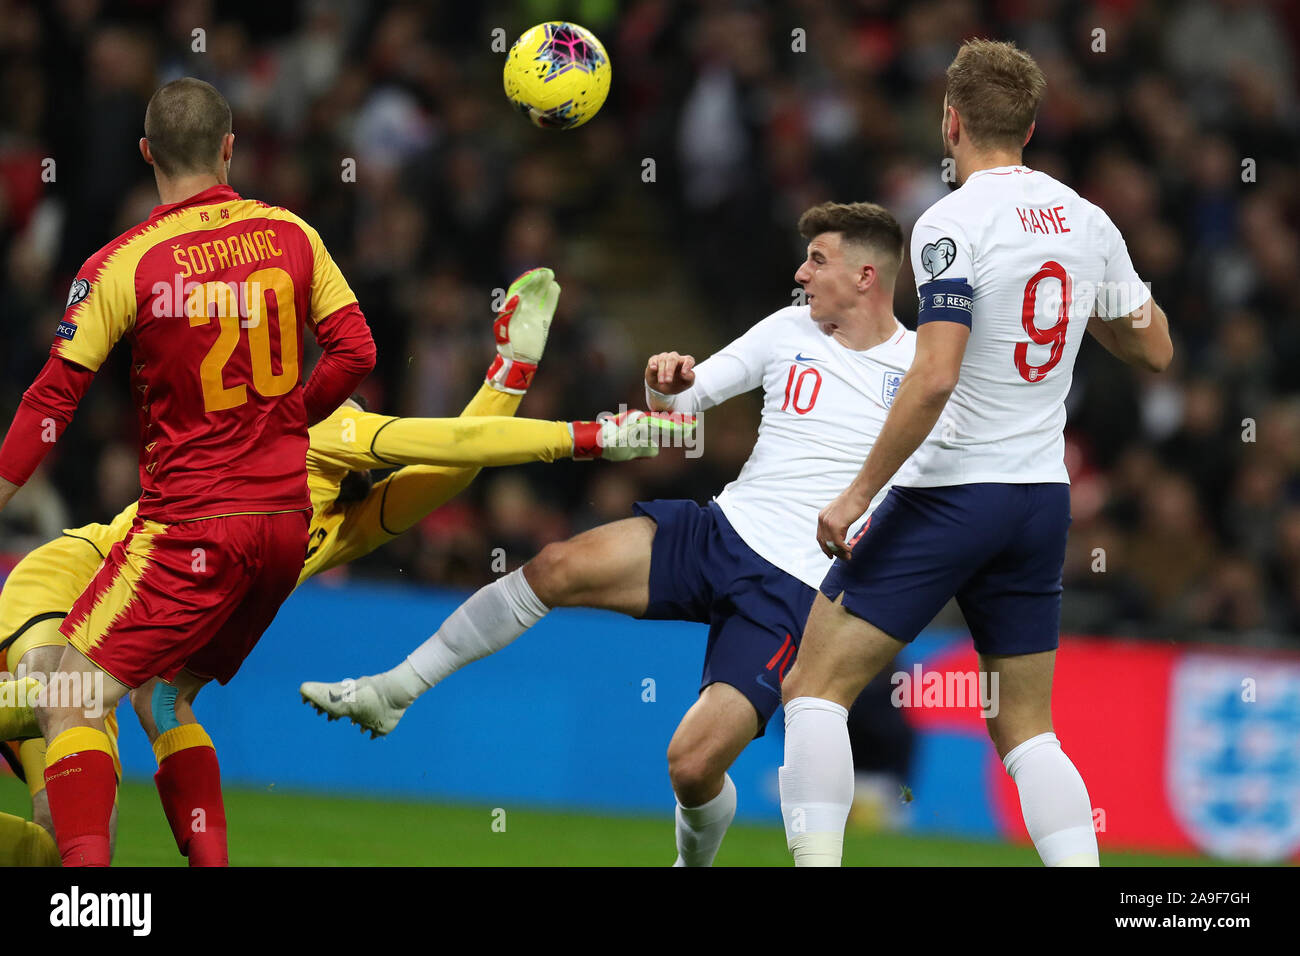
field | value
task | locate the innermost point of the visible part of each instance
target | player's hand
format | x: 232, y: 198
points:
x: 521, y: 328
x: 834, y: 520
x: 670, y: 373
x: 524, y: 319
x: 634, y: 434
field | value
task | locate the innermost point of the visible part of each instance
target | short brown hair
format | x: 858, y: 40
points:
x: 996, y: 88
x: 185, y: 123
x: 864, y: 223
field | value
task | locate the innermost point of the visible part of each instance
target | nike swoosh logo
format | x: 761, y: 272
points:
x: 761, y: 682
x: 799, y: 357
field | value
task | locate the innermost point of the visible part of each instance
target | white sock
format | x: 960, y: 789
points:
x: 492, y: 617
x: 816, y: 780
x: 700, y: 829
x: 1054, y: 802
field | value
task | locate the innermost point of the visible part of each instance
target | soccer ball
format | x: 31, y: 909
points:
x: 557, y: 74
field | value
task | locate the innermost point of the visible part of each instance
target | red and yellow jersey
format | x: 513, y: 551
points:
x: 211, y: 294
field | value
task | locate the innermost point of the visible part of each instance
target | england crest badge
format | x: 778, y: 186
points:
x: 1232, y: 771
x: 890, y: 387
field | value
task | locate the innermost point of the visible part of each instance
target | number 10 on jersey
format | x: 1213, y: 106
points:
x: 801, y: 391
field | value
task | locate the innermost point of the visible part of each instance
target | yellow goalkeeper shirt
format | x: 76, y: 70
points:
x: 50, y: 578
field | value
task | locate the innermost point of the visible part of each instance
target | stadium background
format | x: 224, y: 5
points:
x: 1184, y: 128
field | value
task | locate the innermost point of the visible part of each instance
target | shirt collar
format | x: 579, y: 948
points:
x: 999, y: 171
x: 217, y: 193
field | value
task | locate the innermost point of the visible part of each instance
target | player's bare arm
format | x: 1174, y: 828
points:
x: 940, y: 347
x: 1140, y: 339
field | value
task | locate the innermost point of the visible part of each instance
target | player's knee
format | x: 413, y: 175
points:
x: 553, y: 574
x: 1009, y: 731
x: 794, y: 684
x: 696, y: 774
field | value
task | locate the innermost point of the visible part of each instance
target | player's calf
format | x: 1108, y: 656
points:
x: 719, y: 725
x: 80, y: 774
x: 189, y: 777
x: 1053, y: 797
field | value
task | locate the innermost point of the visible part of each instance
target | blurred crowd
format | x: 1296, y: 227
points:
x: 1179, y: 119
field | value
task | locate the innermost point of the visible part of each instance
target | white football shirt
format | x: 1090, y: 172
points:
x: 1038, y: 258
x: 823, y: 405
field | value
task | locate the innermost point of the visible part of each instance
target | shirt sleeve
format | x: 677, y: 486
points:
x: 348, y: 357
x: 329, y: 290
x: 731, y: 371
x: 940, y: 249
x: 944, y: 269
x: 1122, y: 291
x: 46, y: 409
x: 101, y: 308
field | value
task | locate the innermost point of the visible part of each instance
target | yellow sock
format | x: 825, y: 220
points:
x: 23, y: 843
x: 16, y: 717
x: 32, y: 754
x: 181, y: 737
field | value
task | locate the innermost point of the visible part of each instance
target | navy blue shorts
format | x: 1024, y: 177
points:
x: 701, y: 570
x: 998, y: 548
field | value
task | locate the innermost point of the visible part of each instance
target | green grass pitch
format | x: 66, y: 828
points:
x: 276, y: 828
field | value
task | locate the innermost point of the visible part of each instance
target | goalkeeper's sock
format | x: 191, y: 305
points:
x: 700, y: 829
x: 17, y: 721
x: 1054, y: 802
x: 189, y: 785
x: 493, y: 617
x: 81, y: 783
x: 816, y: 780
x: 23, y: 843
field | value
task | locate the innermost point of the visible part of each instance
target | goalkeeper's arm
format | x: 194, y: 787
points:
x: 360, y: 440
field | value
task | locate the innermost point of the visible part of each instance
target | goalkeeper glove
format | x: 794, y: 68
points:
x: 520, y: 328
x: 633, y: 434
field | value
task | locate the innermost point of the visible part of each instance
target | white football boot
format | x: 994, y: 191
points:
x: 362, y: 701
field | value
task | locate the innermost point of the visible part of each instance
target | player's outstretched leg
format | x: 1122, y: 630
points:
x: 719, y: 725
x: 1053, y: 797
x: 838, y: 656
x: 607, y: 567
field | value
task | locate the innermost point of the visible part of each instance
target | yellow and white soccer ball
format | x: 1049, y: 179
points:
x: 557, y: 74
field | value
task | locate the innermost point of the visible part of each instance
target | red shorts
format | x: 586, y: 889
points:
x: 195, y: 595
